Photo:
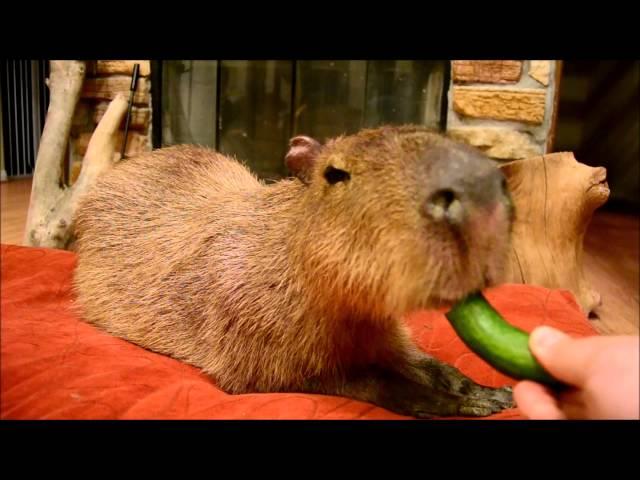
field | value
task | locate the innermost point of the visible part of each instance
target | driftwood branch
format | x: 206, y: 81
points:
x: 555, y: 197
x: 65, y: 84
x: 52, y: 207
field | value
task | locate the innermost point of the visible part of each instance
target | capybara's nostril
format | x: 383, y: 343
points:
x: 444, y: 197
x: 444, y: 205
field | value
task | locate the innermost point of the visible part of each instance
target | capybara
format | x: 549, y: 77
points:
x: 300, y: 285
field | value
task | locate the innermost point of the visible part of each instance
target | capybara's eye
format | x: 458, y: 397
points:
x: 334, y: 175
x: 504, y: 185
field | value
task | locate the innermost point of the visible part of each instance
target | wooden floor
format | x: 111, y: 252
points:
x: 14, y: 201
x: 611, y: 265
x: 611, y: 259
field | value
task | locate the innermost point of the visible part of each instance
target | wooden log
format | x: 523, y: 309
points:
x: 554, y: 197
x: 51, y: 213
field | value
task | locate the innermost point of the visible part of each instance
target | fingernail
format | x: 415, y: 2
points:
x: 545, y: 337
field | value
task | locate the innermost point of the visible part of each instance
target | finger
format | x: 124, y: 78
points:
x: 536, y: 402
x: 574, y: 405
x: 565, y: 358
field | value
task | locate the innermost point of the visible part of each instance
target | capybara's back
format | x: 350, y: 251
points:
x: 143, y: 232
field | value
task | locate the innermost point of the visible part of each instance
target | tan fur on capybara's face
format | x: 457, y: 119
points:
x: 369, y: 209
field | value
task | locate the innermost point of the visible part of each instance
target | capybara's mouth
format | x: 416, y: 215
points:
x: 449, y: 297
x: 458, y: 284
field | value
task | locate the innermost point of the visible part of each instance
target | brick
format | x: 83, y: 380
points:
x: 539, y: 71
x: 123, y: 67
x: 137, y: 142
x: 106, y: 88
x: 498, y: 142
x: 523, y: 105
x: 139, y: 116
x: 486, y: 71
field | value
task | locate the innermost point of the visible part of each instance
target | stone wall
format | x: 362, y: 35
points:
x: 104, y: 79
x: 503, y: 107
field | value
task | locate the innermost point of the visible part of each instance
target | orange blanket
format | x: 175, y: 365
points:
x: 54, y: 366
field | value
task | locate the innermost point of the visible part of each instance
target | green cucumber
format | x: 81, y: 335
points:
x: 493, y: 339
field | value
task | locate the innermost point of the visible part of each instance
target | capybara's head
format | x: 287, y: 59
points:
x: 399, y: 218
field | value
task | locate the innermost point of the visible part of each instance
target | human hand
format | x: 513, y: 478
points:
x: 601, y: 371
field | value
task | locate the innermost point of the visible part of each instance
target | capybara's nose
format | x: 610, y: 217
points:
x: 462, y: 183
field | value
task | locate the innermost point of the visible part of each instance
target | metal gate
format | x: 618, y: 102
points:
x: 25, y: 99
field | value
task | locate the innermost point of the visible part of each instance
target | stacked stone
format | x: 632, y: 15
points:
x: 503, y: 107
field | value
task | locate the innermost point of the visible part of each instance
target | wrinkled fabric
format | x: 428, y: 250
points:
x: 55, y: 366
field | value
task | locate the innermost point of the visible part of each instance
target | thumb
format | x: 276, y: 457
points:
x: 562, y: 356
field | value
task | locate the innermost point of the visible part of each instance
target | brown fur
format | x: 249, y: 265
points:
x: 282, y: 287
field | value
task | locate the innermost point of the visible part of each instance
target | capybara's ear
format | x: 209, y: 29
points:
x: 301, y: 156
